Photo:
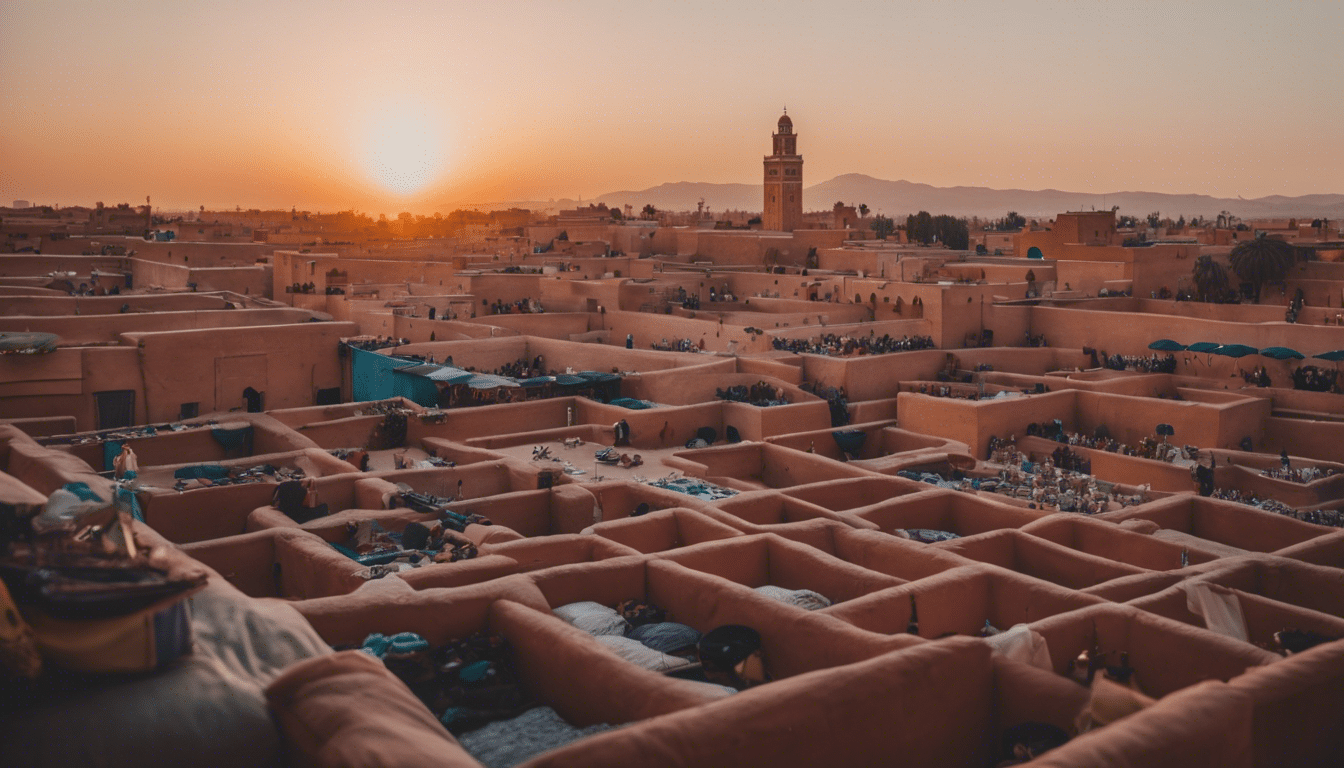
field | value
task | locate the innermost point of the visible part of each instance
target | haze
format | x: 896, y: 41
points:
x: 422, y: 107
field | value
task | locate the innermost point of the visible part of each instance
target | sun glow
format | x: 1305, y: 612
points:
x: 405, y: 149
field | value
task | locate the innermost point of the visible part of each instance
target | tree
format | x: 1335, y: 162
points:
x: 1261, y: 261
x: 863, y: 210
x: 615, y: 214
x: 1209, y: 277
x: 948, y: 230
x: 1154, y: 219
x: 649, y: 212
x: 882, y: 226
x: 1010, y: 222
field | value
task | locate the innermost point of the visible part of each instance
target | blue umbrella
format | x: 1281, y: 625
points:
x: 1167, y: 345
x: 1333, y: 356
x: 1235, y: 350
x: 1202, y: 346
x: 1281, y: 353
x: 449, y: 375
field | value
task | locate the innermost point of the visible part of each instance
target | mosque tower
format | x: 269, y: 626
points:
x: 783, y: 181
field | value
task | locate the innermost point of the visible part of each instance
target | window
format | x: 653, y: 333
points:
x: 188, y: 411
x: 115, y: 408
x: 774, y: 171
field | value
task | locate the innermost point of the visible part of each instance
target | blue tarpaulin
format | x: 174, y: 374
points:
x: 233, y: 439
x: 111, y: 450
x: 373, y: 377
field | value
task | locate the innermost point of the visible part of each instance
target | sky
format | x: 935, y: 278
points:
x: 426, y: 106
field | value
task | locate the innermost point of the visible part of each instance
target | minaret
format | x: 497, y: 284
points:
x: 783, y: 181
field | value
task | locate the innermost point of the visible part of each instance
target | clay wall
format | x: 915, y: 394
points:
x: 973, y: 422
x: 202, y: 254
x: 1089, y: 276
x: 83, y: 329
x: 59, y: 305
x: 63, y: 383
x: 25, y: 265
x: 648, y: 329
x: 555, y: 325
x: 1314, y: 439
x: 212, y: 367
x: 1130, y: 333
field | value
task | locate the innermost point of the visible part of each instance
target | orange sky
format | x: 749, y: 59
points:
x: 420, y: 107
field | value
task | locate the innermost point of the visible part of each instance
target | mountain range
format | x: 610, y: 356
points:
x: 899, y: 198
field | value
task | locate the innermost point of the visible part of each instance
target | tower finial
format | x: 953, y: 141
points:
x: 786, y: 109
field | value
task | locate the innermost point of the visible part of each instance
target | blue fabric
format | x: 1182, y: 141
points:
x: 373, y: 377
x: 407, y: 642
x: 233, y: 439
x: 208, y: 471
x: 82, y: 491
x: 126, y: 498
x: 666, y: 637
x: 474, y: 672
x: 376, y: 644
x: 111, y: 450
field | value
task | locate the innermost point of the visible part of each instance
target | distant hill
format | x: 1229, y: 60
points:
x: 898, y: 198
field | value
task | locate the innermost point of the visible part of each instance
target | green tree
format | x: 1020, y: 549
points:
x: 882, y: 226
x: 649, y: 212
x: 919, y: 227
x: 952, y: 232
x: 1209, y: 277
x: 1261, y: 261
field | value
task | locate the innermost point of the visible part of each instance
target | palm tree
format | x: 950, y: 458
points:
x: 1261, y: 261
x: 1209, y: 277
x: 863, y: 209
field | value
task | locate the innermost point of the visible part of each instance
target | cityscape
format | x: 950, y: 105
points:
x: 677, y: 385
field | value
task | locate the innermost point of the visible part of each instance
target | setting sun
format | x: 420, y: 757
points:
x: 404, y: 149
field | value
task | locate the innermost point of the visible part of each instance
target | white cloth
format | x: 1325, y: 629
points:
x: 593, y: 618
x: 641, y: 655
x: 802, y: 598
x: 1220, y: 609
x: 1021, y: 643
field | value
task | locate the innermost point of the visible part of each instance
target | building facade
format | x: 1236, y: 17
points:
x: 783, y: 181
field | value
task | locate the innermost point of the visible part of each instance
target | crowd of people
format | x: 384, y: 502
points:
x: 1101, y: 440
x: 679, y: 345
x: 1331, y: 517
x: 1145, y: 364
x: 330, y: 290
x: 376, y: 343
x: 1257, y: 377
x: 1312, y: 378
x: 522, y: 368
x: 1301, y: 475
x: 835, y: 345
x: 1294, y: 308
x: 519, y: 307
x: 760, y: 393
x: 956, y: 393
x: 1047, y: 485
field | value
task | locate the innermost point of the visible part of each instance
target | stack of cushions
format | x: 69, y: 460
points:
x: 653, y: 646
